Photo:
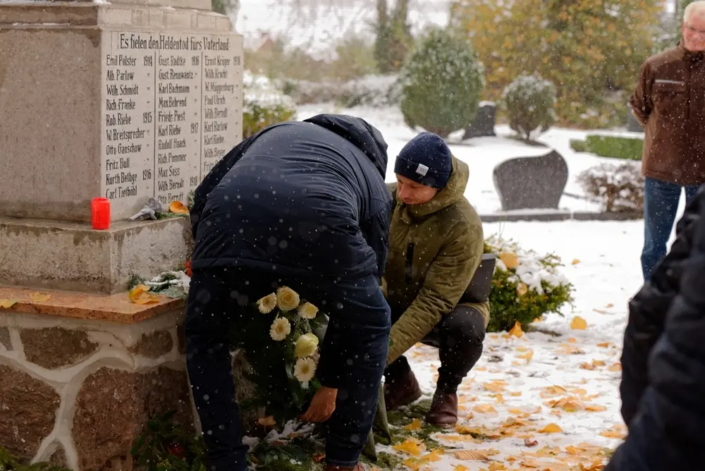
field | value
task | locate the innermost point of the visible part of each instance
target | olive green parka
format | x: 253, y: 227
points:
x: 434, y: 250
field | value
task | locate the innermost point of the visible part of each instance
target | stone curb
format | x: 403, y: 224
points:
x: 562, y: 216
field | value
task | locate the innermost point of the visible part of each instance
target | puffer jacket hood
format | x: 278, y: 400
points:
x: 360, y: 133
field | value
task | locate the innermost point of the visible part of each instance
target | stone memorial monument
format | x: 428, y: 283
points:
x: 127, y: 100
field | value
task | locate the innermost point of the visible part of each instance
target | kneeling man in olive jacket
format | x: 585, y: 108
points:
x: 435, y: 245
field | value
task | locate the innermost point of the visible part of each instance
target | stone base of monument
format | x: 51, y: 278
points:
x: 72, y: 256
x: 81, y: 374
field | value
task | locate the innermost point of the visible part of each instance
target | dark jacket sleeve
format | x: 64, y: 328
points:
x: 667, y: 431
x: 376, y: 233
x: 647, y: 312
x: 641, y: 102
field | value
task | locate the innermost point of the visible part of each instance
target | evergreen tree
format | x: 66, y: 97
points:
x: 393, y: 35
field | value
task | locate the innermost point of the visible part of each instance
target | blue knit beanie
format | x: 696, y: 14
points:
x: 425, y: 159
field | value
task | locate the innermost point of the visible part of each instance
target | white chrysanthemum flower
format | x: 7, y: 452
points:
x: 267, y: 304
x: 287, y: 299
x: 305, y: 369
x: 280, y: 329
x: 306, y: 345
x: 308, y: 311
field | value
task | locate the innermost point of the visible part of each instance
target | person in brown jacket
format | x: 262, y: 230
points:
x: 669, y: 102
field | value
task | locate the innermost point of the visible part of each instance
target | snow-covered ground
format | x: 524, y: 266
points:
x: 509, y: 392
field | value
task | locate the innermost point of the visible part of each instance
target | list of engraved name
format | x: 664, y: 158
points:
x: 171, y: 112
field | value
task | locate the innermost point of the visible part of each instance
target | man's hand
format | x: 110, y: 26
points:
x: 322, y: 405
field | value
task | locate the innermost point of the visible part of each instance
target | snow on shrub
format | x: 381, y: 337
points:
x: 375, y: 91
x: 618, y: 187
x: 525, y: 285
x: 263, y: 105
x: 441, y: 84
x: 529, y: 101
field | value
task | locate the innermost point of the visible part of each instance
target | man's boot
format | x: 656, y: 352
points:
x: 401, y: 390
x: 444, y: 410
x: 357, y: 467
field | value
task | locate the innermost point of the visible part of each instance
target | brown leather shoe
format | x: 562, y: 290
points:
x: 401, y: 391
x: 444, y: 410
x: 357, y: 467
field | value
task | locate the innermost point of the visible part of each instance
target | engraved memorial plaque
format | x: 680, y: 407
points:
x: 172, y: 108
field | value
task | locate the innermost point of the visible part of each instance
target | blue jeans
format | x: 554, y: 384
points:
x: 357, y: 337
x: 660, y: 208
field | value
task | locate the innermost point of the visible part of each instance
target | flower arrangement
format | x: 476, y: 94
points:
x: 281, y: 345
x: 525, y: 285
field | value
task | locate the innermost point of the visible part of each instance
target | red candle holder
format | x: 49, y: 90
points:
x: 100, y: 214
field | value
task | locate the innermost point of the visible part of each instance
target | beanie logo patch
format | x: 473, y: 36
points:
x: 422, y: 170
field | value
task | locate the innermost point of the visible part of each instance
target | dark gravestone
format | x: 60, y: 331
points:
x: 483, y: 125
x: 632, y: 124
x: 531, y: 182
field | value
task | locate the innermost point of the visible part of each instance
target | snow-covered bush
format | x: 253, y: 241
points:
x: 618, y: 187
x: 530, y: 101
x: 263, y: 105
x: 441, y: 84
x: 376, y: 91
x: 525, y: 285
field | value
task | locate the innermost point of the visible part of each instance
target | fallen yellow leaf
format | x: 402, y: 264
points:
x: 510, y: 260
x: 435, y: 455
x: 522, y: 289
x: 39, y: 297
x: 495, y: 386
x: 410, y: 447
x: 515, y: 393
x: 484, y: 409
x: 609, y: 305
x: 140, y: 295
x: 600, y: 311
x: 617, y: 431
x: 595, y: 408
x: 499, y: 398
x: 460, y: 467
x: 413, y: 464
x: 587, y: 366
x: 414, y: 425
x: 604, y: 344
x: 267, y: 421
x: 468, y: 455
x: 527, y: 356
x: 578, y: 323
x: 551, y: 428
x: 575, y: 261
x: 496, y: 467
x: 7, y: 303
x: 516, y: 330
x: 615, y: 367
x: 177, y: 207
x: 573, y: 340
x: 551, y: 391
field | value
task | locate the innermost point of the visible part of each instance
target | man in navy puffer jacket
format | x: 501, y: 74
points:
x: 304, y: 205
x: 663, y: 377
